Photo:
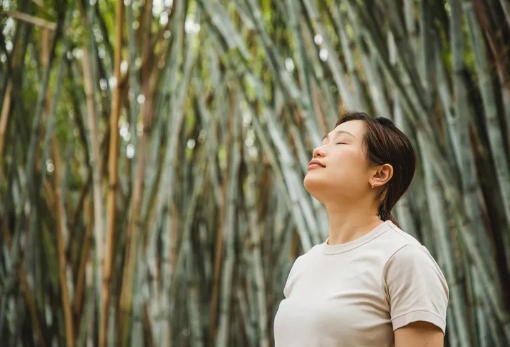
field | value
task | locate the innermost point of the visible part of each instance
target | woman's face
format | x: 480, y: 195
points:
x: 341, y: 168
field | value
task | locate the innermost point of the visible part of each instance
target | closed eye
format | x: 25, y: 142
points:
x: 341, y: 143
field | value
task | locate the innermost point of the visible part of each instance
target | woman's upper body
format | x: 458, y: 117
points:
x: 358, y: 293
x: 370, y: 283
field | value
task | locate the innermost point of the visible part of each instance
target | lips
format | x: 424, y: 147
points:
x: 315, y: 162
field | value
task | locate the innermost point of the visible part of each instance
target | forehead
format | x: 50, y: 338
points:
x: 355, y: 127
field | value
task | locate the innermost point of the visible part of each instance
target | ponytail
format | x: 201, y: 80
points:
x: 385, y: 215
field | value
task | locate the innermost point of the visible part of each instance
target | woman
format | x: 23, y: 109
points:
x: 369, y: 284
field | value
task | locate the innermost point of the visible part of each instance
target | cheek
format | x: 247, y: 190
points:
x: 350, y: 161
x: 352, y: 171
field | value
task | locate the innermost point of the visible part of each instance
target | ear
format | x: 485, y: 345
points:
x: 381, y: 175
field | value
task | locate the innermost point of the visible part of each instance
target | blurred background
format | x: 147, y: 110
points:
x: 152, y: 154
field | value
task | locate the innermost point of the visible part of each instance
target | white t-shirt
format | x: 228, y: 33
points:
x: 359, y: 292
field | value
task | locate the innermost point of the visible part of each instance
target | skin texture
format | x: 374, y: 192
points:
x: 344, y: 186
x: 419, y: 334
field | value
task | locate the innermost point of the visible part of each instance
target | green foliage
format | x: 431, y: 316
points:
x: 209, y: 206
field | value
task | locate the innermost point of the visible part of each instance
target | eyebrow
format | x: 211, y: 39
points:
x: 339, y: 132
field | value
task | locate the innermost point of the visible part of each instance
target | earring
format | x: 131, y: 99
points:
x: 372, y: 186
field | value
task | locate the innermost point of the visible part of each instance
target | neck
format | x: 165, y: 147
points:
x: 349, y: 223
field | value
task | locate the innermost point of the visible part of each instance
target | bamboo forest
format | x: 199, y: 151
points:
x: 152, y: 156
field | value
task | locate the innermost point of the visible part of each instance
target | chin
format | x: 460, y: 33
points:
x: 317, y: 186
x: 324, y: 189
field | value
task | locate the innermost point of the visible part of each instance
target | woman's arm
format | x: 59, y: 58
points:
x: 419, y: 334
x: 418, y: 295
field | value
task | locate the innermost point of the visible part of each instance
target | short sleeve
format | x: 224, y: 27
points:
x: 416, y: 288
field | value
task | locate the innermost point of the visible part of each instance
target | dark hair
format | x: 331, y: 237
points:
x: 386, y: 144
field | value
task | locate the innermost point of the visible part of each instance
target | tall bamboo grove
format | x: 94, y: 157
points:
x: 152, y: 154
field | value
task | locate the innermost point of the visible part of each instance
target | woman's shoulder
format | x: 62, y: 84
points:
x: 396, y: 249
x: 398, y: 233
x: 409, y: 259
x: 396, y: 240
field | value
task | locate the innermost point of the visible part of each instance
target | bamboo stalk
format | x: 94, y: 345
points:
x: 133, y: 81
x: 112, y: 180
x: 61, y: 231
x: 96, y: 166
x: 192, y: 302
x: 164, y: 198
x: 137, y: 337
x: 256, y: 260
x: 471, y: 200
x: 27, y: 18
x: 218, y: 255
x: 133, y: 229
x: 4, y: 117
x: 230, y: 210
x: 79, y: 293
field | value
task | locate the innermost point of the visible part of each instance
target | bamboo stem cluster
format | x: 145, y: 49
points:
x: 152, y: 155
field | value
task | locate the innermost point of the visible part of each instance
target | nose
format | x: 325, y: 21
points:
x: 318, y: 152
